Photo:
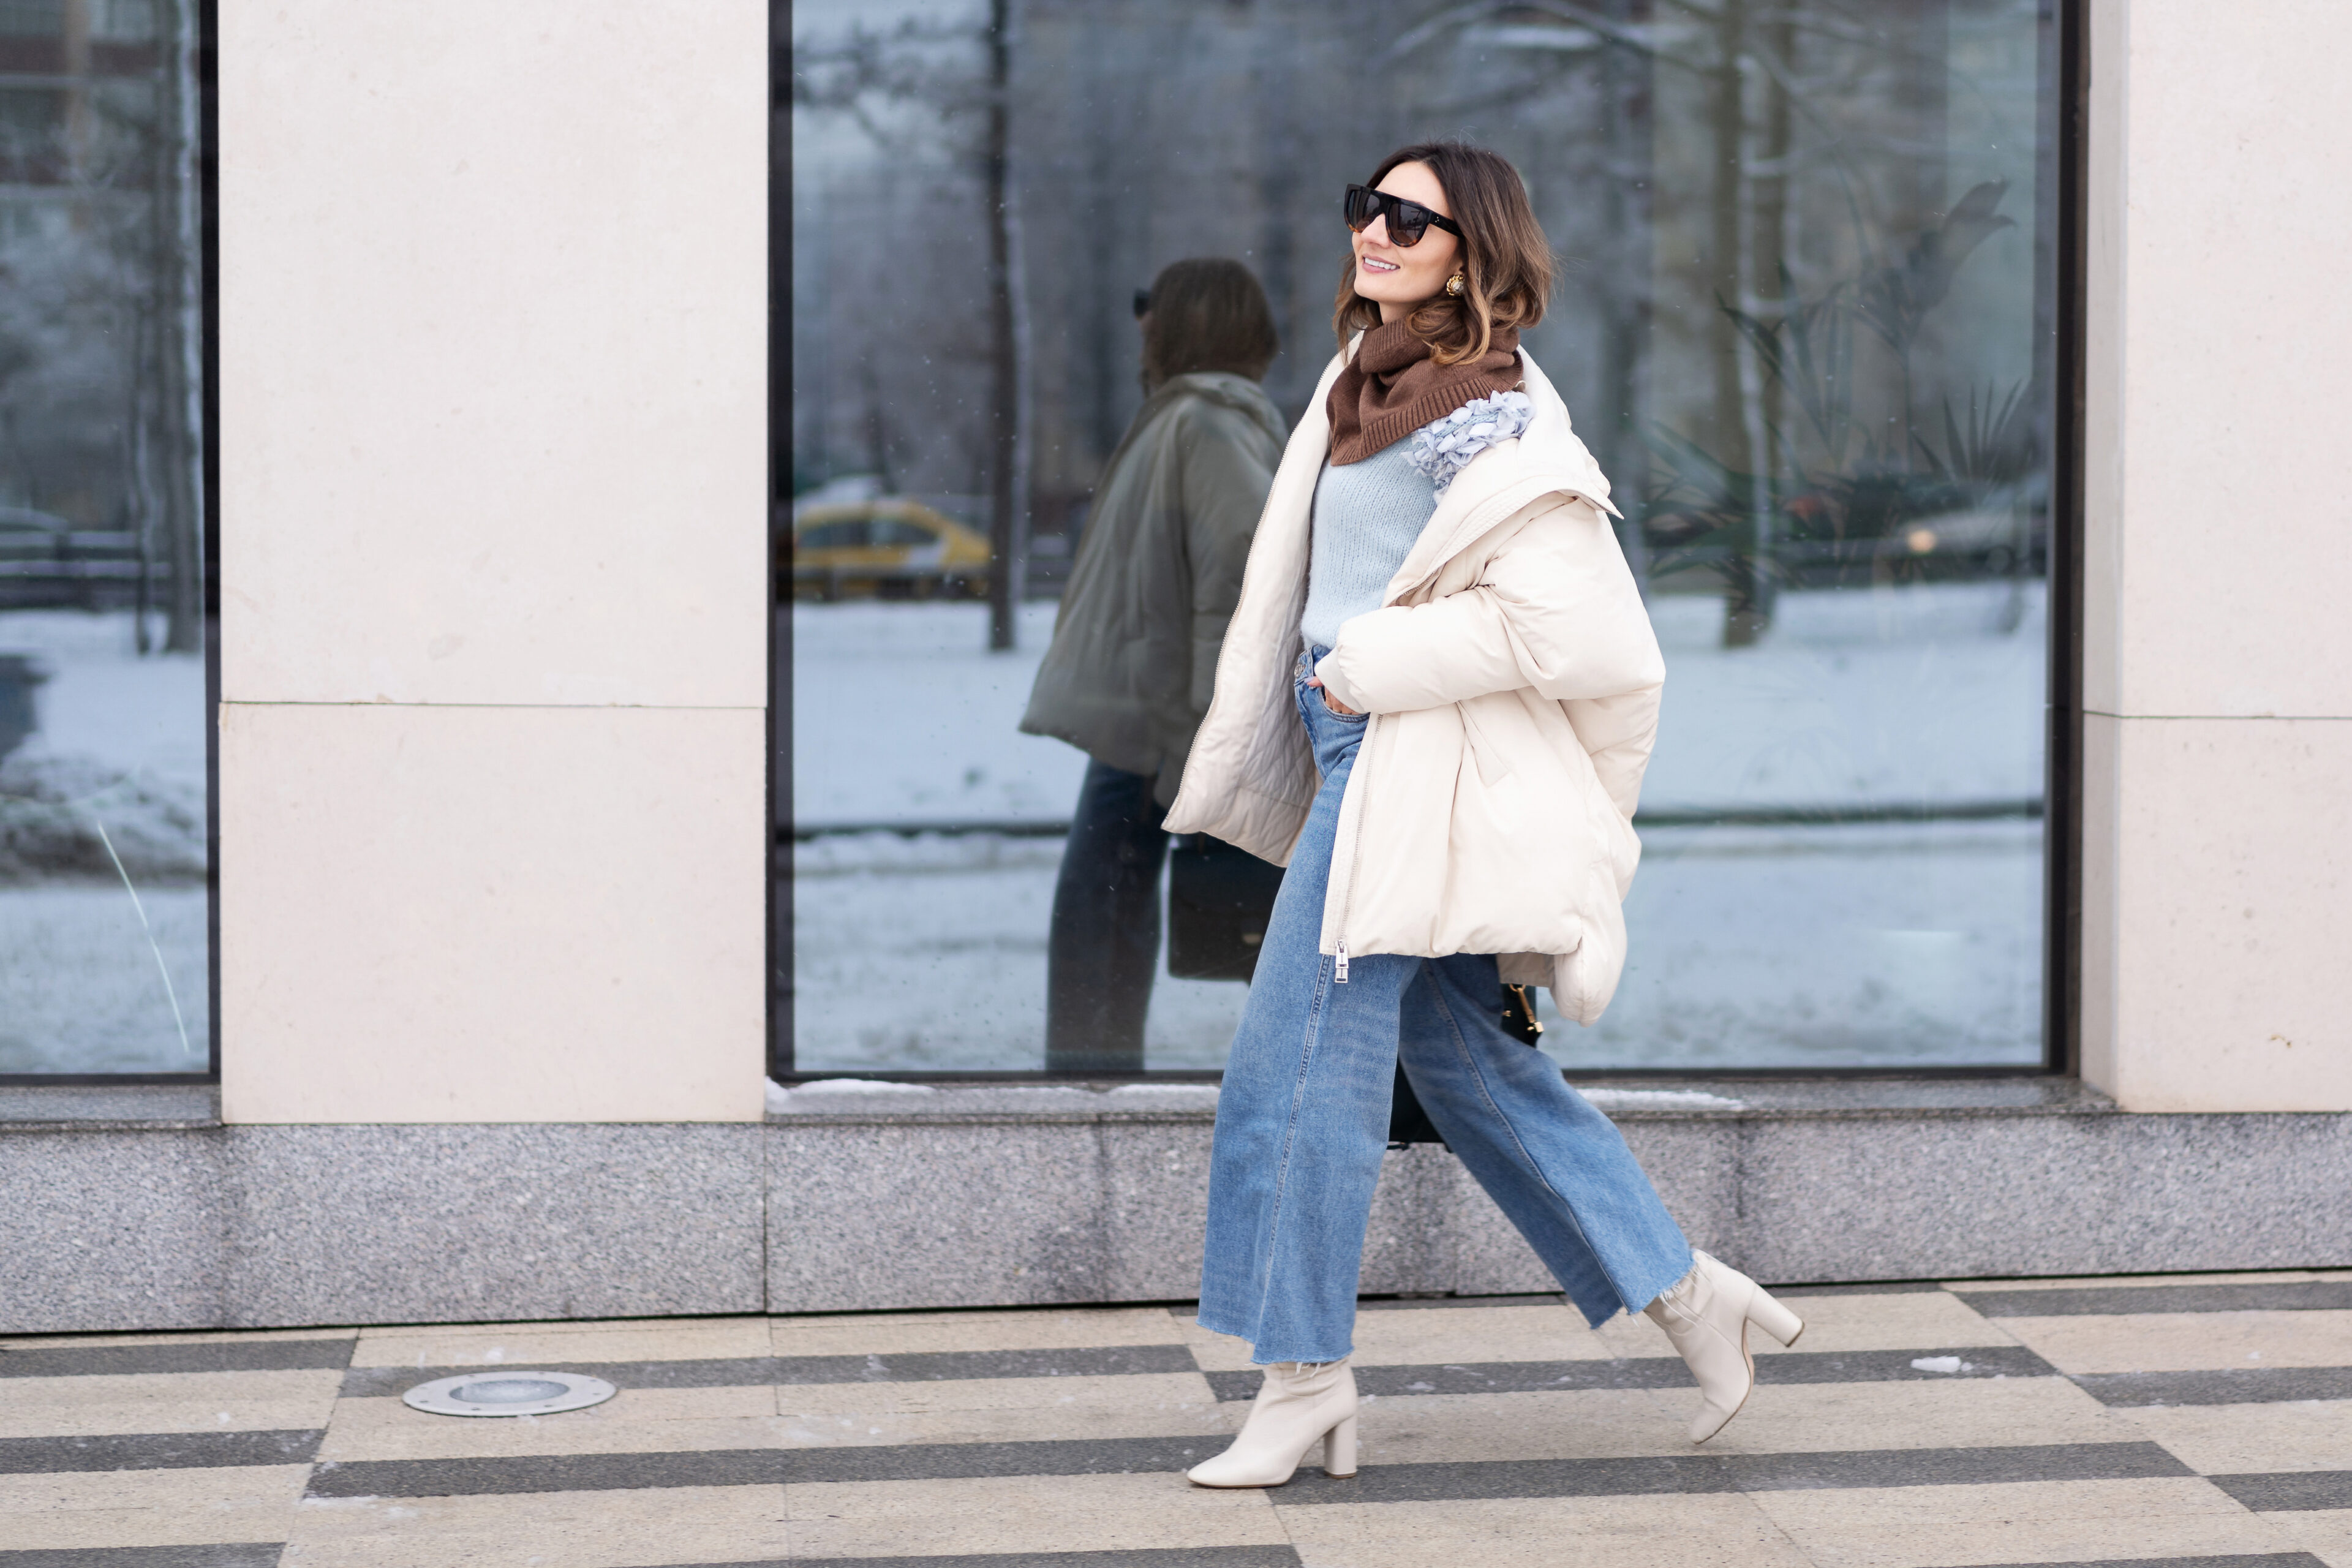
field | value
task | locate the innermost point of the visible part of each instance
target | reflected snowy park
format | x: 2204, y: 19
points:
x: 1856, y: 944
x: 103, y: 908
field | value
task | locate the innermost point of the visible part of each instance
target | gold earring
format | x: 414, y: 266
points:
x: 1455, y: 284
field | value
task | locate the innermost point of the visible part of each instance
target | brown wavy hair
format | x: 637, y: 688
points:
x: 1506, y: 262
x: 1208, y: 313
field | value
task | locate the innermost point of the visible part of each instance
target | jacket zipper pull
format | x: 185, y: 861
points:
x: 1340, y: 969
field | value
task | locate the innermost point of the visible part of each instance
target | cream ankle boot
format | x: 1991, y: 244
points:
x: 1298, y: 1401
x: 1706, y: 1315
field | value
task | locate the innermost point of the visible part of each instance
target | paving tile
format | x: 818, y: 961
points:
x: 1901, y: 1320
x: 1937, y: 1468
x: 1962, y: 1413
x: 570, y: 1530
x: 1591, y: 1423
x: 2221, y: 1439
x: 1920, y: 1364
x: 2150, y: 1281
x: 939, y: 1366
x: 1543, y: 1331
x: 149, y: 1508
x: 2270, y: 1295
x: 905, y: 1333
x: 2326, y: 1533
x: 1001, y: 1410
x: 198, y: 1337
x: 525, y: 1344
x: 648, y: 1469
x: 1204, y: 1419
x: 930, y: 1366
x: 239, y: 1554
x: 1158, y: 1454
x: 1924, y: 1469
x: 124, y: 1451
x: 1690, y: 1471
x: 2231, y: 1385
x: 2224, y: 1559
x: 2028, y: 1523
x: 513, y: 1474
x: 1726, y: 1531
x: 2185, y: 1342
x: 2295, y: 1491
x: 1164, y: 1557
x: 166, y: 1402
x: 175, y: 1357
x: 640, y: 1420
x: 1095, y: 1513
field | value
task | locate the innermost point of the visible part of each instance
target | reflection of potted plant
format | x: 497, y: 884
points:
x: 1878, y: 500
x: 20, y: 675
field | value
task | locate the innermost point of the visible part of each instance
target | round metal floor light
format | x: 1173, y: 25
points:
x: 504, y: 1393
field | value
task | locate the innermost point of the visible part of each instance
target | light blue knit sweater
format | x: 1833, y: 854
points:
x: 1368, y: 515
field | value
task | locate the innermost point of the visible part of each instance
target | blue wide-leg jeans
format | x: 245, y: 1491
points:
x: 1304, y: 1115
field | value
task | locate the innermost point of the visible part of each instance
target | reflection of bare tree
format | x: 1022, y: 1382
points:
x: 100, y: 326
x: 1697, y: 162
x: 875, y: 76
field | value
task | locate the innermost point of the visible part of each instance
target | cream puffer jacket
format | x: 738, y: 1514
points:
x: 1512, y: 681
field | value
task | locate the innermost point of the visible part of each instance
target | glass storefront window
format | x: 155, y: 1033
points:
x: 105, y: 955
x: 1807, y: 323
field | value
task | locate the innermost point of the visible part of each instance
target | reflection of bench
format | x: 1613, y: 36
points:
x: 46, y: 563
x: 20, y: 673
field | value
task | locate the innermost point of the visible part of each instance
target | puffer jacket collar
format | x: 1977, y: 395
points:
x: 1545, y: 456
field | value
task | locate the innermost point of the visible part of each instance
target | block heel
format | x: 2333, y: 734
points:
x: 1339, y: 1451
x: 1773, y: 1317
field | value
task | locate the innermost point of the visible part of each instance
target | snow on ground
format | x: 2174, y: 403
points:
x: 79, y: 989
x: 1865, y: 946
x: 1855, y: 945
x: 80, y: 986
x: 1889, y: 695
x: 105, y: 702
x: 930, y: 953
x: 899, y: 714
x: 1861, y: 945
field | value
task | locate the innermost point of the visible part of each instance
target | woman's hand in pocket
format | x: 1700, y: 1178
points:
x: 1342, y: 709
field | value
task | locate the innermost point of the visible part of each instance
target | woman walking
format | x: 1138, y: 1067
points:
x: 1434, y: 704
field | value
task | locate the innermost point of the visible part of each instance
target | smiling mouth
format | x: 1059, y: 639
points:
x: 1375, y: 264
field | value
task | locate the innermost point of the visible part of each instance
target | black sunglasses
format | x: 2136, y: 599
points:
x: 1408, y: 221
x: 1142, y: 303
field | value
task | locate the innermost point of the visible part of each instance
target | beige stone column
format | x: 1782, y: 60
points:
x: 493, y: 327
x: 2217, y: 936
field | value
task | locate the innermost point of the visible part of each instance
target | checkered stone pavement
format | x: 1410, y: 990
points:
x: 2180, y: 1422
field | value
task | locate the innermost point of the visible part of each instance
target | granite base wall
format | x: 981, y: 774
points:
x: 863, y: 1207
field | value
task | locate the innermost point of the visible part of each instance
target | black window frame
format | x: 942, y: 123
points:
x: 207, y: 169
x: 2063, y: 792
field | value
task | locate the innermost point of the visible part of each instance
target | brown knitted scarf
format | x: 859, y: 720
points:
x: 1392, y: 388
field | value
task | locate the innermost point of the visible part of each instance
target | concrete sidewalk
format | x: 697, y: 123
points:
x: 2178, y: 1420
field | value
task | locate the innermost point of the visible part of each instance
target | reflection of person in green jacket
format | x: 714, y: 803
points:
x: 1134, y: 658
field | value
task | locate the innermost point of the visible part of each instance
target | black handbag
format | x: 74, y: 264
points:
x: 1219, y: 900
x: 1408, y: 1122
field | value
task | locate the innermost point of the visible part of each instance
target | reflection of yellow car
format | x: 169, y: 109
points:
x: 886, y: 550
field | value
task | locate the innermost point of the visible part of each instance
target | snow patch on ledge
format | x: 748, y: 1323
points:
x: 1606, y: 1099
x: 780, y: 1099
